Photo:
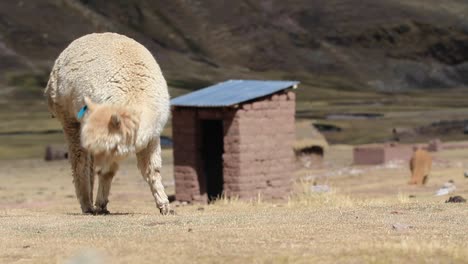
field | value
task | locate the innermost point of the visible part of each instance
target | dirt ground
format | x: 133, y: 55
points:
x: 370, y: 215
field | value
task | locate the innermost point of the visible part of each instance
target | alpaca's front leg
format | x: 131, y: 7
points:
x: 419, y: 179
x: 105, y: 179
x: 149, y: 163
x: 82, y: 167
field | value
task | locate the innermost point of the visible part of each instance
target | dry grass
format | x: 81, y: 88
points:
x: 40, y: 220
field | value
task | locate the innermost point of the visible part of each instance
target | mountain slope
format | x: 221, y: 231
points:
x: 342, y: 44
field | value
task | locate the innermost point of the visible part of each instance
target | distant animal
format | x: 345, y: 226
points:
x: 420, y: 166
x: 111, y: 98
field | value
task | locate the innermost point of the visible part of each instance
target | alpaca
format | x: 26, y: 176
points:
x: 111, y: 98
x: 420, y: 165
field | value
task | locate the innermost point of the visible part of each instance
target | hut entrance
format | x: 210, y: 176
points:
x: 212, y: 156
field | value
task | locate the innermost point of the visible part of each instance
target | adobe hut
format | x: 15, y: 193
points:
x: 234, y: 138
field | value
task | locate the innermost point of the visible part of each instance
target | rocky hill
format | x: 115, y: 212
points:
x: 388, y: 45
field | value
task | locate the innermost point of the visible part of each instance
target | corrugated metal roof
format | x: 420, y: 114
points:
x: 231, y: 92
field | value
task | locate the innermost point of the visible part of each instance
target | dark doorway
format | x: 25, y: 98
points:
x: 212, y: 156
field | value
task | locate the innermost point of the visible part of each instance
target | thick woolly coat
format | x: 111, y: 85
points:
x: 420, y: 166
x: 122, y: 86
x: 112, y: 69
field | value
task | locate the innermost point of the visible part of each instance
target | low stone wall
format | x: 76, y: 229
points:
x: 56, y: 152
x: 381, y: 154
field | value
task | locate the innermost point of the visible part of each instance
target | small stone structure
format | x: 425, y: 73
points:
x: 234, y: 139
x: 310, y: 146
x: 454, y: 145
x: 309, y: 157
x: 434, y: 145
x: 56, y: 152
x: 376, y: 154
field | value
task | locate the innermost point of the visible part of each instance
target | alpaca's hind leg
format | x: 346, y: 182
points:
x: 412, y: 180
x: 106, y: 174
x: 149, y: 163
x: 424, y: 180
x: 82, y: 167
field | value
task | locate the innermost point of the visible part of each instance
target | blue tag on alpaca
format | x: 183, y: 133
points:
x: 82, y: 112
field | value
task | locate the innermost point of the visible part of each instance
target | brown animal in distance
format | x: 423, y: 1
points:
x: 420, y: 165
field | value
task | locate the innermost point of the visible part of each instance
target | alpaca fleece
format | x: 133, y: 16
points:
x: 420, y: 166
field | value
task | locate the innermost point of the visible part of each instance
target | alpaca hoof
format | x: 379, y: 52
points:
x: 102, y: 211
x: 165, y: 209
x: 89, y: 211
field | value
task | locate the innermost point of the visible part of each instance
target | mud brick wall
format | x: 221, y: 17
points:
x: 367, y: 155
x: 186, y: 140
x: 398, y: 153
x: 258, y: 155
x: 381, y: 154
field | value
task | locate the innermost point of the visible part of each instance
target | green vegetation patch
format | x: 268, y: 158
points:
x: 29, y: 84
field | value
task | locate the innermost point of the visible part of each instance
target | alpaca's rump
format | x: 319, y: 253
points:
x: 420, y: 165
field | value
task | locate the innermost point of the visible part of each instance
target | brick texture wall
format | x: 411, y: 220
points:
x: 258, y: 156
x: 381, y: 154
x: 186, y: 138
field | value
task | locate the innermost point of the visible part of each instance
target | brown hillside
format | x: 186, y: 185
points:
x: 345, y: 44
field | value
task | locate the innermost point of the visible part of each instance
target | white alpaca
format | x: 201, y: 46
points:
x: 110, y: 96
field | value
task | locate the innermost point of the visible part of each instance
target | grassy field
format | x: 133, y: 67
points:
x: 367, y: 217
x: 403, y: 110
